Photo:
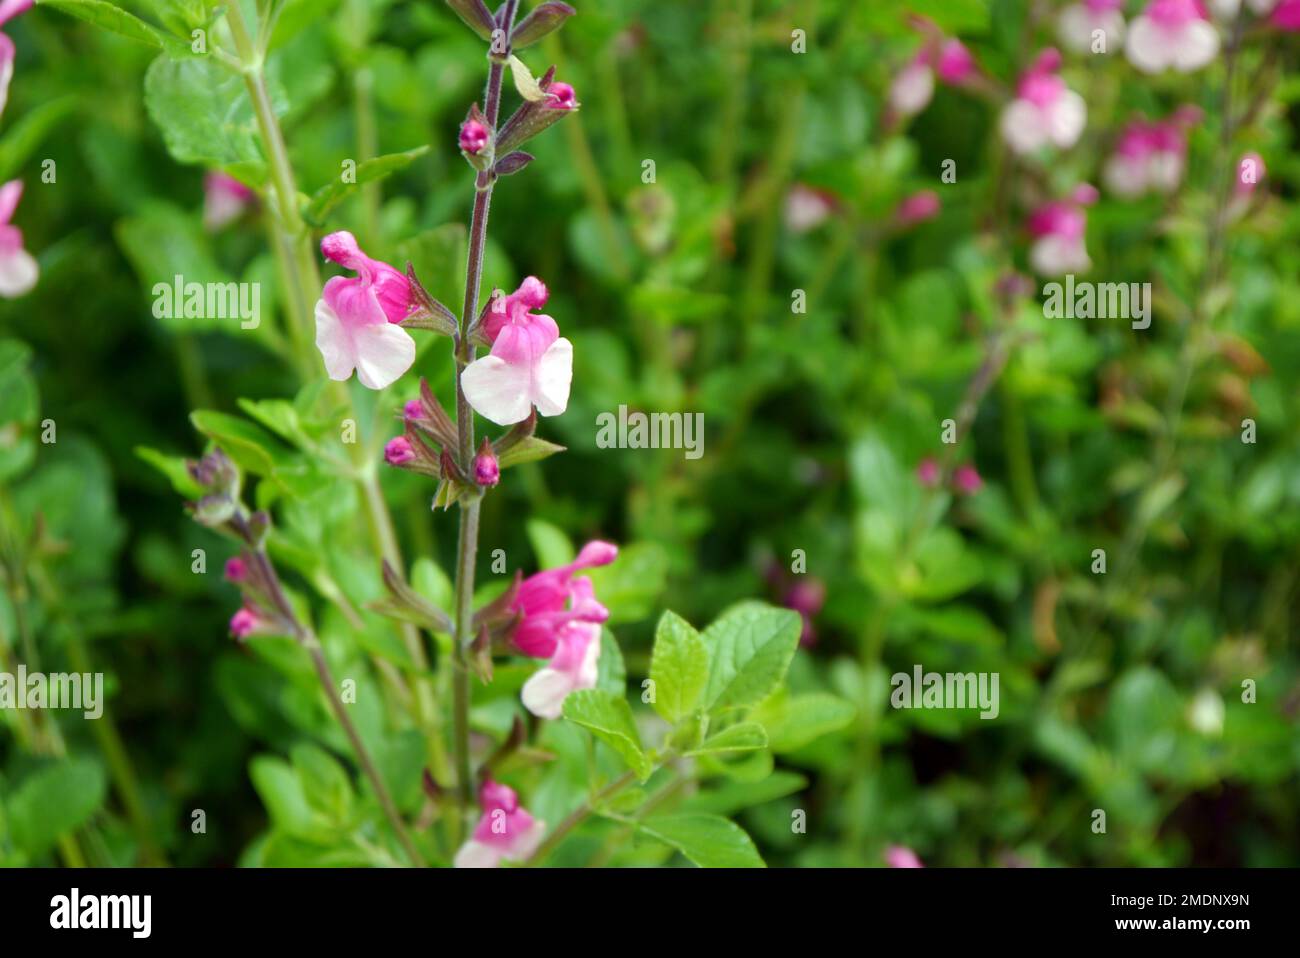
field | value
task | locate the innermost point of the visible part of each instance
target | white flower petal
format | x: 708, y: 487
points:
x: 18, y: 273
x: 476, y: 855
x: 1023, y: 126
x: 1125, y: 177
x: 1067, y: 117
x: 552, y: 378
x: 497, y: 390
x: 912, y: 89
x: 384, y: 351
x: 1148, y: 46
x: 526, y: 843
x: 1197, y: 46
x: 545, y: 691
x: 332, y: 342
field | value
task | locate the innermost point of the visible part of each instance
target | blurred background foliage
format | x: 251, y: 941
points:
x: 1121, y: 692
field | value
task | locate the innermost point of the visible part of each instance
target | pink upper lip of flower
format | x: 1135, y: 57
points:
x: 11, y: 8
x: 1039, y: 84
x: 217, y: 181
x: 954, y: 62
x: 495, y: 797
x: 389, y: 285
x: 1175, y: 14
x: 552, y: 599
x: 1058, y: 219
x: 561, y: 96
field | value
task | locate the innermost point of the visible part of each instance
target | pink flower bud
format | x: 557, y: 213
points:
x: 954, y: 64
x: 473, y: 137
x: 243, y: 623
x: 487, y: 472
x: 918, y: 208
x: 899, y: 856
x: 561, y: 97
x: 1286, y: 16
x: 927, y: 472
x: 236, y: 569
x: 966, y: 480
x: 413, y: 410
x: 398, y: 451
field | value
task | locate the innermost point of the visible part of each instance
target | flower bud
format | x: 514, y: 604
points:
x: 236, y: 570
x: 244, y: 623
x: 398, y: 451
x: 487, y: 472
x: 927, y: 472
x: 966, y: 480
x: 473, y: 137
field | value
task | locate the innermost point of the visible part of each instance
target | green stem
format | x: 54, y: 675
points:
x: 578, y: 816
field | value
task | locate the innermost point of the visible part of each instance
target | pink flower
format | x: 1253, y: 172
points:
x: 954, y: 63
x: 413, y: 411
x: 224, y: 200
x: 18, y: 269
x: 506, y: 832
x: 473, y: 136
x: 574, y: 666
x: 356, y: 317
x: 244, y: 623
x: 899, y: 856
x: 1286, y: 16
x: 927, y: 472
x: 917, y: 208
x: 807, y: 207
x: 8, y: 10
x: 913, y: 86
x: 966, y: 480
x: 530, y: 363
x: 236, y: 569
x: 806, y: 597
x: 487, y: 471
x: 1172, y: 33
x: 552, y: 600
x: 1079, y: 21
x: 1059, y: 229
x: 1045, y: 111
x: 398, y: 451
x: 1149, y: 156
x: 561, y: 96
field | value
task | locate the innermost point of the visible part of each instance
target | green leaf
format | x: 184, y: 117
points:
x: 749, y: 650
x: 281, y: 791
x: 743, y: 737
x: 528, y: 449
x: 54, y: 801
x: 707, y: 840
x: 249, y: 445
x: 325, y: 783
x: 608, y: 717
x: 794, y: 721
x: 113, y: 18
x: 173, y: 467
x: 679, y: 667
x: 550, y: 544
x: 368, y: 171
x: 631, y: 586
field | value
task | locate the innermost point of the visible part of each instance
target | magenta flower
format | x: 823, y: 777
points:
x: 8, y: 10
x: 954, y: 64
x: 899, y: 856
x: 966, y: 480
x: 1286, y: 16
x: 224, y: 200
x: 236, y: 569
x: 574, y: 666
x: 1079, y: 20
x: 917, y: 208
x: 398, y: 451
x: 505, y: 832
x: 807, y: 596
x: 413, y: 411
x: 18, y: 268
x: 913, y: 86
x: 244, y: 623
x: 1058, y: 229
x: 1045, y: 111
x: 1149, y: 156
x: 473, y: 137
x: 1172, y: 33
x: 356, y: 317
x: 927, y: 472
x: 550, y: 601
x: 530, y: 363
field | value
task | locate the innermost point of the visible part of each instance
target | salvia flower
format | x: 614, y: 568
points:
x: 8, y: 10
x: 487, y: 471
x: 245, y: 623
x: 900, y: 856
x: 1286, y: 16
x: 1045, y: 111
x: 530, y: 363
x: 473, y: 137
x: 561, y: 96
x: 807, y: 596
x: 806, y: 208
x: 549, y: 601
x: 913, y: 85
x: 966, y: 480
x: 1058, y: 229
x: 224, y: 200
x: 505, y: 832
x: 236, y: 569
x: 398, y: 451
x: 1080, y: 21
x: 18, y: 268
x: 927, y: 472
x: 1250, y: 171
x: 357, y: 317
x: 574, y: 666
x: 917, y: 208
x: 1173, y: 34
x: 1149, y: 157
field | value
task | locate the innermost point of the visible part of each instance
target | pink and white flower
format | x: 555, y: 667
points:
x: 8, y: 10
x: 900, y: 856
x: 1286, y: 16
x: 807, y: 207
x: 1080, y: 21
x: 574, y: 666
x: 1228, y: 9
x: 1149, y: 156
x: 224, y: 200
x: 530, y: 364
x: 505, y: 832
x: 1173, y: 34
x: 357, y: 317
x: 552, y: 600
x: 1058, y: 229
x: 913, y: 86
x: 18, y: 268
x: 1045, y: 111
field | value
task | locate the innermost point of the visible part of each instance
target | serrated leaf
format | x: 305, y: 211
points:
x: 108, y: 16
x: 749, y: 650
x: 679, y: 667
x: 608, y: 717
x: 709, y: 841
x: 743, y: 737
x: 368, y: 171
